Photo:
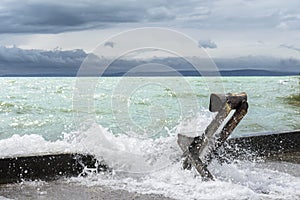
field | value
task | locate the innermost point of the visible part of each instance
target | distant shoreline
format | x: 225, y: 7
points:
x: 250, y: 72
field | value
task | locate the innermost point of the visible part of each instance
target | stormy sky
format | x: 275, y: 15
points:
x: 61, y: 33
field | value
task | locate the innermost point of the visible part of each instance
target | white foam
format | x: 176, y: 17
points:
x: 32, y: 145
x: 237, y: 181
x: 4, y: 198
x: 152, y: 166
x: 128, y: 156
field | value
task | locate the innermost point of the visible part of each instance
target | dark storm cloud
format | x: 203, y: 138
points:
x: 285, y: 65
x: 19, y: 62
x: 110, y: 44
x: 16, y: 61
x: 55, y: 16
x: 207, y: 44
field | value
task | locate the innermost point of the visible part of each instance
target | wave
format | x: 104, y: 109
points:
x: 153, y: 166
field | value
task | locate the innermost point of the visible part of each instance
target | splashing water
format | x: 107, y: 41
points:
x: 149, y: 165
x: 153, y: 166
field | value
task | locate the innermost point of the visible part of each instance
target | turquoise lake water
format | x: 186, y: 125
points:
x: 45, y: 106
x: 132, y: 124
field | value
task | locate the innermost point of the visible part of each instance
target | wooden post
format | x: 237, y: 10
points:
x: 200, y: 151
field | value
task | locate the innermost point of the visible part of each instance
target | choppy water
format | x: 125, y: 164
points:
x: 135, y: 130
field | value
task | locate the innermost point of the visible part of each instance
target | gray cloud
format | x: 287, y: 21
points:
x: 159, y: 13
x: 19, y: 62
x: 109, y: 44
x: 58, y: 16
x: 38, y: 62
x: 260, y: 63
x: 289, y: 20
x: 207, y: 44
x: 290, y: 47
x: 241, y: 15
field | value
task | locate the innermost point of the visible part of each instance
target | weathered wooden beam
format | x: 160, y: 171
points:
x: 201, y: 150
x: 275, y: 146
